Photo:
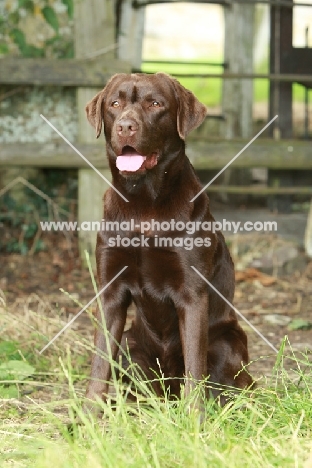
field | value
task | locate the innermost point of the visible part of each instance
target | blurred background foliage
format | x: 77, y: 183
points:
x: 37, y: 28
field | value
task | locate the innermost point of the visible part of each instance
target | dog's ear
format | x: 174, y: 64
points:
x: 191, y: 112
x: 94, y: 108
x: 95, y: 112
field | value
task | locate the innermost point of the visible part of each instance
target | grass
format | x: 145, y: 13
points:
x: 209, y: 90
x: 272, y: 427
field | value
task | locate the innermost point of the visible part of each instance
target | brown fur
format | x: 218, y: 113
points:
x: 181, y: 327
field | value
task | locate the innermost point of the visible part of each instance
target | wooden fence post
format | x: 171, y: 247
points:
x: 237, y: 95
x: 238, y: 53
x: 94, y: 30
x: 130, y: 34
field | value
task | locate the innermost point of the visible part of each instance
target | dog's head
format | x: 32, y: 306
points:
x: 145, y: 117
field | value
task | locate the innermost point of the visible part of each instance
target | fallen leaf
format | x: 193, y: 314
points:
x: 300, y: 324
x: 251, y: 274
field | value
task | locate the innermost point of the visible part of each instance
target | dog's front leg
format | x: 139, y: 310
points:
x: 110, y: 326
x: 193, y: 324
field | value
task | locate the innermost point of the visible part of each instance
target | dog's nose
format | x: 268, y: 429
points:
x: 127, y: 127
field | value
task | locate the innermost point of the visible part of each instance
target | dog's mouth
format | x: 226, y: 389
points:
x: 132, y: 161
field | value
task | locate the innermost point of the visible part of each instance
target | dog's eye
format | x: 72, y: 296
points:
x: 115, y: 104
x: 155, y: 104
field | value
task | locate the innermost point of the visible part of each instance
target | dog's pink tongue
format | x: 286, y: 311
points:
x: 129, y: 162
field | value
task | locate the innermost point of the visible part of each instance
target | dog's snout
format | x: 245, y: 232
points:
x: 127, y: 127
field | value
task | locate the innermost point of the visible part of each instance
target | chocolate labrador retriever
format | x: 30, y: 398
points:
x: 183, y: 329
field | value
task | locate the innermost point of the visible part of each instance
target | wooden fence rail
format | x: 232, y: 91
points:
x: 286, y: 154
